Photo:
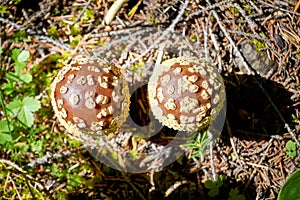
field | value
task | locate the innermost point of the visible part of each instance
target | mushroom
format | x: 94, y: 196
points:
x: 185, y: 92
x: 90, y: 97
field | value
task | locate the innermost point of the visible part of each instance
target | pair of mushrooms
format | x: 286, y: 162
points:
x: 91, y: 96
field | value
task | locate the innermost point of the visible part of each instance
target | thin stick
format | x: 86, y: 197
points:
x: 255, y: 169
x: 13, y: 183
x: 82, y: 12
x: 126, y: 31
x: 257, y: 165
x: 248, y: 68
x: 212, y: 164
x: 174, y: 187
x: 256, y: 8
x: 204, y: 29
x: 57, y: 43
x: 248, y: 19
x: 276, y: 7
x: 216, y: 45
x: 211, y: 7
x: 164, y: 34
x: 48, y: 158
x: 250, y: 35
x: 123, y: 39
x: 17, y: 26
x: 232, y: 142
x: 259, y: 150
x: 8, y: 162
x: 111, y: 13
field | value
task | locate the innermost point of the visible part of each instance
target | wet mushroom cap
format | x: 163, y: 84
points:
x: 184, y: 93
x: 90, y: 97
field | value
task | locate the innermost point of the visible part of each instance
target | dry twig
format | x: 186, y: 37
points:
x: 113, y: 11
x: 164, y: 34
x: 82, y: 12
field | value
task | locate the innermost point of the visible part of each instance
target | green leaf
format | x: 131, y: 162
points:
x: 24, y: 109
x: 12, y: 77
x: 5, y: 128
x: 4, y: 138
x: 219, y: 182
x: 296, y: 119
x: 37, y: 146
x: 233, y: 192
x: 290, y: 145
x: 20, y: 59
x: 291, y: 188
x: 8, y: 88
x: 23, y: 56
x: 291, y: 148
x: 15, y: 53
x: 27, y: 78
x: 209, y: 184
x: 1, y: 51
x: 291, y: 153
x: 18, y: 67
x: 15, y: 106
x: 213, y: 186
x: 32, y: 104
x: 213, y: 192
x: 234, y: 195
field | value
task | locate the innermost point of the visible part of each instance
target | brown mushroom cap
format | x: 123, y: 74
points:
x: 184, y: 93
x: 90, y: 96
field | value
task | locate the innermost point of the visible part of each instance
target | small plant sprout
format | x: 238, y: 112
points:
x: 198, y: 146
x: 234, y: 195
x: 24, y: 109
x: 20, y: 58
x: 213, y: 186
x: 291, y: 148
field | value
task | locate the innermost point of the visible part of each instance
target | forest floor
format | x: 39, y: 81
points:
x: 258, y: 148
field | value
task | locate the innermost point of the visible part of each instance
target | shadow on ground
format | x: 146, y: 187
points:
x: 250, y: 113
x: 250, y: 116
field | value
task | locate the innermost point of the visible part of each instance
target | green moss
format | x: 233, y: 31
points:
x: 234, y: 11
x: 3, y: 9
x: 259, y: 45
x: 193, y: 38
x: 75, y: 41
x: 52, y: 32
x: 75, y: 30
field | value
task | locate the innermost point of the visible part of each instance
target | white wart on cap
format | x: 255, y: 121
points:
x: 90, y: 96
x: 184, y: 93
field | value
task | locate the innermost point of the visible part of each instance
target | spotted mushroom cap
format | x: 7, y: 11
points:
x: 185, y: 92
x: 90, y: 97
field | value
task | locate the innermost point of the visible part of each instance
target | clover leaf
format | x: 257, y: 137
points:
x: 24, y: 109
x: 20, y: 58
